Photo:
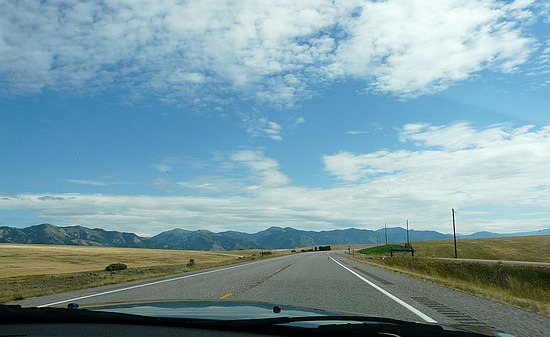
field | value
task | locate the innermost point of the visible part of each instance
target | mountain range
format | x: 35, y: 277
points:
x: 271, y: 238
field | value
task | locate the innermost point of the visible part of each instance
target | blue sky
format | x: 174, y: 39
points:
x: 223, y: 115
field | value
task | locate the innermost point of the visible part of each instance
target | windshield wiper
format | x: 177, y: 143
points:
x: 287, y: 326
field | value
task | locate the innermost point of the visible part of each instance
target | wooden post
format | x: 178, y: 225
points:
x: 454, y: 232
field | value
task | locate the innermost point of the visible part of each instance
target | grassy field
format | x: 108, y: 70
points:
x: 36, y: 270
x: 523, y: 286
x: 527, y: 248
x: 381, y: 250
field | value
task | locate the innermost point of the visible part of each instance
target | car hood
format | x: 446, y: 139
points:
x: 237, y: 310
x: 223, y: 310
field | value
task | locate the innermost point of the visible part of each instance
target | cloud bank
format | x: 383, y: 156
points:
x: 495, y: 177
x: 276, y: 52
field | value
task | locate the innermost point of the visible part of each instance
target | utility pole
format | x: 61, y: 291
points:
x: 454, y: 232
x: 408, y: 243
x: 386, y: 233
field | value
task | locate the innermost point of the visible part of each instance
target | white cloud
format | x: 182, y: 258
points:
x: 216, y: 185
x: 356, y: 132
x: 235, y: 174
x: 262, y: 127
x: 265, y: 168
x: 299, y: 121
x: 86, y: 182
x: 415, y: 47
x: 107, y: 180
x: 456, y: 137
x: 269, y: 129
x: 496, y: 177
x: 162, y: 168
x: 275, y: 52
x: 273, y: 131
x: 458, y: 163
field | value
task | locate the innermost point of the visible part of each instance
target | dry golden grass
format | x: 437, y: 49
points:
x: 527, y: 248
x: 37, y: 270
x: 531, y: 295
x: 526, y: 287
x: 26, y: 260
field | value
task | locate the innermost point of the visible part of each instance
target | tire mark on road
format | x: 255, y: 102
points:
x: 449, y: 312
x: 372, y: 276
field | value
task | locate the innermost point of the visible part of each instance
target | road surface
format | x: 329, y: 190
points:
x: 321, y: 280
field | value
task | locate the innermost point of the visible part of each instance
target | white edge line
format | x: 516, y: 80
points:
x: 398, y: 300
x: 149, y: 284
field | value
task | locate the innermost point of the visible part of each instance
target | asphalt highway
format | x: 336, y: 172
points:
x: 323, y: 280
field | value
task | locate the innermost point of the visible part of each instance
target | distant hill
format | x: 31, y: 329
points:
x: 271, y: 238
x: 488, y: 235
x: 277, y: 237
x: 197, y: 240
x: 73, y: 235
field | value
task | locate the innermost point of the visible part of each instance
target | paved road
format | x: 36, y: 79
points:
x: 320, y: 280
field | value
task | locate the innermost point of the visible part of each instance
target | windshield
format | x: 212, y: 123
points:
x: 289, y: 152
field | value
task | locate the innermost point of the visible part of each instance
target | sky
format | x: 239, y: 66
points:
x: 144, y: 116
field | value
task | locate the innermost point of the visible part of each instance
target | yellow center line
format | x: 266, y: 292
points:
x: 279, y: 269
x: 226, y: 296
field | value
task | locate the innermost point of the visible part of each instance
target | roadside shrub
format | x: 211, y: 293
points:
x: 116, y: 266
x: 191, y: 263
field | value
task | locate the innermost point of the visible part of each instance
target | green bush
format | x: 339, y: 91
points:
x: 191, y: 263
x: 116, y: 266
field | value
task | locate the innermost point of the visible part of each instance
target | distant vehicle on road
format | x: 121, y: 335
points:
x: 324, y: 248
